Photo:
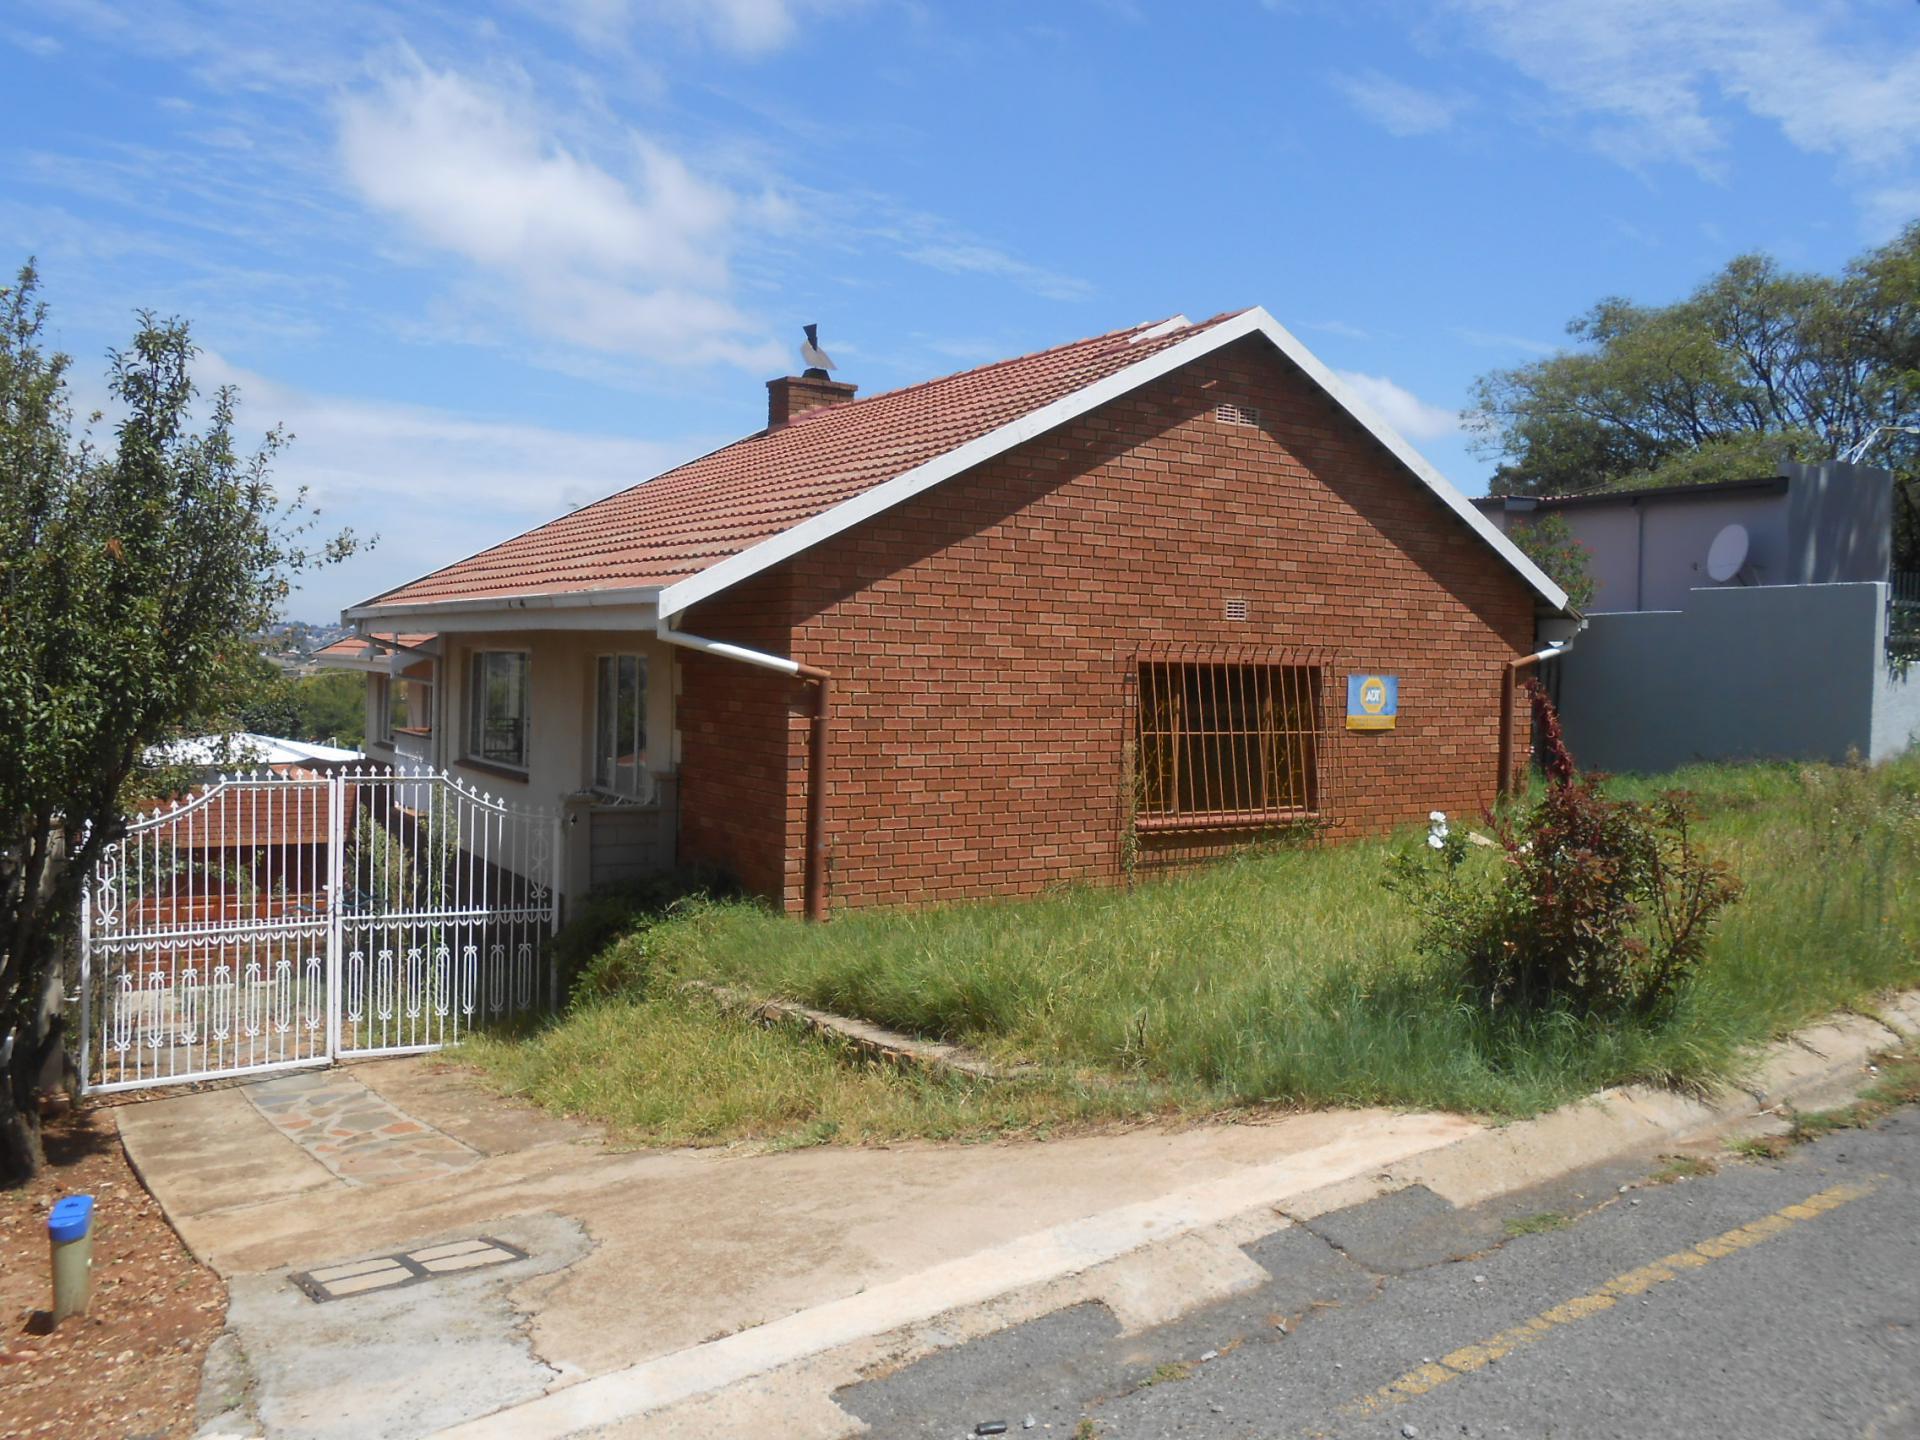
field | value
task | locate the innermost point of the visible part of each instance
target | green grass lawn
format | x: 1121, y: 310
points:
x: 1287, y: 978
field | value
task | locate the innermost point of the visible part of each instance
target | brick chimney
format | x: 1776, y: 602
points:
x: 793, y: 395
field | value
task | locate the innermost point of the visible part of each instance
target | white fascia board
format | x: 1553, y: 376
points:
x: 676, y: 598
x: 628, y: 609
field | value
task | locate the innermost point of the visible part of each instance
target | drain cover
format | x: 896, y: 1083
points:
x: 388, y: 1272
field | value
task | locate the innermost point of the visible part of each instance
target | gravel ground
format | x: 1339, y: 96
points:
x: 131, y: 1366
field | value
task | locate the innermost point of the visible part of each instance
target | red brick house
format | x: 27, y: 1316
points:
x: 1061, y: 618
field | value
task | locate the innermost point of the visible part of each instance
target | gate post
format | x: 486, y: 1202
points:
x: 553, y: 899
x: 336, y: 833
x: 86, y: 982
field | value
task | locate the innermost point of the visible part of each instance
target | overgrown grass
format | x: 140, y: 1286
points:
x: 1284, y: 978
x: 676, y: 1068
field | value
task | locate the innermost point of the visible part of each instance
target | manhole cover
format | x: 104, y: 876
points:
x: 388, y: 1272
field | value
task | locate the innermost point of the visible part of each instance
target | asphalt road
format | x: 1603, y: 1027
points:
x: 1770, y: 1299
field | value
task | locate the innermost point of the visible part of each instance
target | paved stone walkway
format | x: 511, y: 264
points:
x: 356, y: 1134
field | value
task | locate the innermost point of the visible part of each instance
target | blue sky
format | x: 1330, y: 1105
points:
x: 490, y: 262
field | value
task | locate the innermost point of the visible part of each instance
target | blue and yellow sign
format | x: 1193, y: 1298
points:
x: 1372, y: 701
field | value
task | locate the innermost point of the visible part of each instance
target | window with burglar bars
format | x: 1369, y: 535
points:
x: 1228, y: 744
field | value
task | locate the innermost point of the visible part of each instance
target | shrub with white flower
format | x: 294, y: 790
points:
x: 1600, y: 905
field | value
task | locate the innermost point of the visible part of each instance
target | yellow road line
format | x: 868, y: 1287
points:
x: 1469, y: 1358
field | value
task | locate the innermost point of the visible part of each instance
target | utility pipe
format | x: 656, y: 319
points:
x: 815, y: 879
x: 1509, y: 683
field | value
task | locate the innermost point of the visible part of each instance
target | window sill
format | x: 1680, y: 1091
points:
x: 1224, y: 820
x: 488, y: 767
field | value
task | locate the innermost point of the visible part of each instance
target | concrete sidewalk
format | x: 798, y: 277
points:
x: 640, y: 1257
x: 511, y: 1275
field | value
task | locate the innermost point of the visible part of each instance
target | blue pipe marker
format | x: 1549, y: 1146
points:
x: 70, y: 1219
x: 70, y: 1238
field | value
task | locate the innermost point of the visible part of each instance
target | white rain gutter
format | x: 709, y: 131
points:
x: 663, y: 627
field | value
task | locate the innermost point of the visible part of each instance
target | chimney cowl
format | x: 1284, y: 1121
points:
x: 791, y: 396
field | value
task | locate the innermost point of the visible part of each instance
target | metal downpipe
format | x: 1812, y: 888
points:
x: 1509, y: 684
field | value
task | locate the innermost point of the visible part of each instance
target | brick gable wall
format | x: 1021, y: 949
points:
x: 983, y: 637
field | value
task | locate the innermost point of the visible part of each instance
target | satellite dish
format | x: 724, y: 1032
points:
x: 1727, y: 554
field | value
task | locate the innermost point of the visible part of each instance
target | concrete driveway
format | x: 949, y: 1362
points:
x: 406, y: 1252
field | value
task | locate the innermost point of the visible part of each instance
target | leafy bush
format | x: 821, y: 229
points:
x: 1599, y: 905
x: 602, y: 949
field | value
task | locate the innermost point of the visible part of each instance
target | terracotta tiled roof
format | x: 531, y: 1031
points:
x: 358, y: 647
x: 688, y: 519
x: 243, y: 816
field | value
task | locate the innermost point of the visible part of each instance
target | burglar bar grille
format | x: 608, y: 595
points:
x: 1229, y: 743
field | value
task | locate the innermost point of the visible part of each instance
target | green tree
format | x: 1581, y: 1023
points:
x: 266, y: 706
x: 130, y: 575
x: 1756, y: 363
x: 330, y: 708
x: 1548, y: 541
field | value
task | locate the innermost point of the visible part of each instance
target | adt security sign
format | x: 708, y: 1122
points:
x: 1372, y: 701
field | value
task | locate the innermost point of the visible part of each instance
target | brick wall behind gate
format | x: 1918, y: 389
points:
x: 982, y: 636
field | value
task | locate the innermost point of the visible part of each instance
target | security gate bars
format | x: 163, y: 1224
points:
x: 275, y: 921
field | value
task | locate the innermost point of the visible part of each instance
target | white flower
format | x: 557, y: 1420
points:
x: 1439, y: 817
x: 1437, y: 840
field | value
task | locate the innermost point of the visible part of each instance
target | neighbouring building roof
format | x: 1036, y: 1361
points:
x: 394, y: 651
x: 695, y: 530
x: 242, y: 750
x: 240, y: 816
x: 1580, y: 499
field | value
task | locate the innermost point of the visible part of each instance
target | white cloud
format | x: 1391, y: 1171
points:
x: 1498, y: 340
x: 742, y: 27
x: 42, y: 46
x: 1891, y: 208
x: 1340, y: 327
x: 1396, y: 107
x: 635, y: 263
x: 968, y: 258
x: 434, y: 485
x: 1400, y: 407
x: 1659, y: 71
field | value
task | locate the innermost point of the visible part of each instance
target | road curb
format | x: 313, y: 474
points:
x: 1816, y: 1067
x: 1160, y: 1259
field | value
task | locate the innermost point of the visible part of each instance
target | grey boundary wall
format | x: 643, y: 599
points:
x: 1796, y: 672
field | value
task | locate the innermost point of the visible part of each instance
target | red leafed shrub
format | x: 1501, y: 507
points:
x: 1594, y: 904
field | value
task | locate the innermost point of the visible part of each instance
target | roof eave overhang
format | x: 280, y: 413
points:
x: 675, y: 599
x: 629, y: 608
x: 380, y: 658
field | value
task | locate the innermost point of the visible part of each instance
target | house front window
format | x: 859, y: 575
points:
x: 497, y: 708
x: 620, y: 727
x: 1228, y: 744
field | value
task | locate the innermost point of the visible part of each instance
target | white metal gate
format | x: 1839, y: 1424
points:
x: 275, y: 921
